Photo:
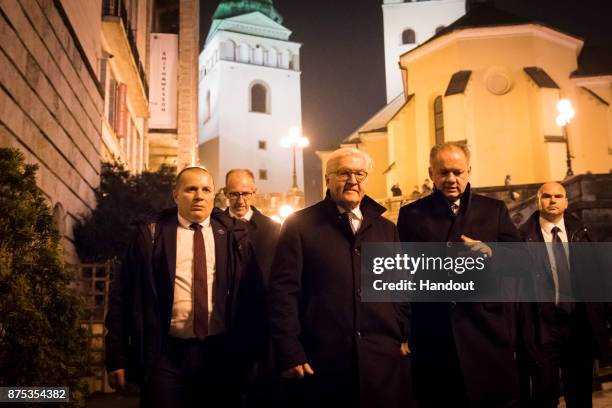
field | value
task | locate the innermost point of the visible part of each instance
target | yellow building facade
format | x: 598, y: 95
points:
x: 495, y: 87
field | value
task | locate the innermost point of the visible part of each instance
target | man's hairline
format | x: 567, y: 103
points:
x: 179, y: 176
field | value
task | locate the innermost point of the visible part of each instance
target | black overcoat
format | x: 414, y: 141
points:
x: 587, y: 276
x: 316, y: 313
x: 141, y: 293
x: 486, y: 335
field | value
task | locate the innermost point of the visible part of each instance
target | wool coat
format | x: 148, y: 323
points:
x: 317, y: 316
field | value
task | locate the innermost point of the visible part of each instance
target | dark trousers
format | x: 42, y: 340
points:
x: 567, y: 349
x: 194, y: 373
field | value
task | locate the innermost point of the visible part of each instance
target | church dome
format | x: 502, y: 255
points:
x: 232, y: 8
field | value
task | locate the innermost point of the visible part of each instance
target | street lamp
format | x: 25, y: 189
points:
x: 293, y: 141
x: 566, y: 113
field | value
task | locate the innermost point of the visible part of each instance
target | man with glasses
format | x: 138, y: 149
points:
x: 332, y: 348
x: 263, y: 231
x: 263, y: 234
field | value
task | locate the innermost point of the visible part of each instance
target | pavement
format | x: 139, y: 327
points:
x: 601, y: 399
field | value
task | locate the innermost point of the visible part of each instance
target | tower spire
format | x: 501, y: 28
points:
x: 232, y: 8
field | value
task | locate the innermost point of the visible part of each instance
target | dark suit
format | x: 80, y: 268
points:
x: 570, y: 340
x: 316, y: 313
x: 263, y: 389
x: 140, y: 309
x: 464, y: 353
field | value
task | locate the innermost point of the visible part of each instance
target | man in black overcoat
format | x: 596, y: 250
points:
x: 332, y: 348
x: 178, y: 306
x: 263, y: 389
x: 463, y: 354
x: 573, y: 333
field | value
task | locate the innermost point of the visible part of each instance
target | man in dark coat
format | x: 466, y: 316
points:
x: 463, y: 354
x: 333, y: 349
x: 176, y: 308
x: 263, y: 231
x: 572, y: 333
x: 263, y: 390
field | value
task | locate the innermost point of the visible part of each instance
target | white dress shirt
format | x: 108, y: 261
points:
x: 181, y: 323
x: 355, y: 216
x: 546, y: 227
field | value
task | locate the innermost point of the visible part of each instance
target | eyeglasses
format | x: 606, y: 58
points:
x: 344, y: 175
x: 236, y: 195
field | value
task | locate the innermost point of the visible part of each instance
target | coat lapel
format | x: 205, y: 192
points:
x: 169, y: 233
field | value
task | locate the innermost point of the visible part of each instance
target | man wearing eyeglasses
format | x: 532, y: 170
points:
x: 332, y: 348
x: 263, y: 235
x: 263, y: 231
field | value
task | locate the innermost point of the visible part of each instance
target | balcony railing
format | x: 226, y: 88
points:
x: 116, y: 8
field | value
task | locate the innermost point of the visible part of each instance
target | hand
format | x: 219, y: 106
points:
x: 476, y: 246
x: 116, y: 379
x: 298, y: 372
x: 404, y: 348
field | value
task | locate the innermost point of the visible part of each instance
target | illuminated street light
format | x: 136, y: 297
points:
x: 566, y: 114
x: 293, y: 141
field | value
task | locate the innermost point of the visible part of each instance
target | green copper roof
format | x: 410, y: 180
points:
x: 232, y: 8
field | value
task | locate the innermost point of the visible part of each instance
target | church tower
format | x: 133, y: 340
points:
x: 408, y: 24
x: 249, y: 95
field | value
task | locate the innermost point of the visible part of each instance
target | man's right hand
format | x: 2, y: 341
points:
x: 298, y: 372
x: 116, y: 379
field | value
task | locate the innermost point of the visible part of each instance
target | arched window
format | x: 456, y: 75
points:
x: 408, y: 36
x: 438, y: 111
x: 439, y: 28
x: 260, y: 98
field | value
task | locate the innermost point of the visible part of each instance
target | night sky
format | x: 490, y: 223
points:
x: 342, y: 59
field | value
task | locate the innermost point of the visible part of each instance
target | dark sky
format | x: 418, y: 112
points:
x: 342, y: 58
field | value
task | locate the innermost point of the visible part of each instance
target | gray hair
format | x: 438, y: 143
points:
x: 348, y: 151
x: 433, y: 154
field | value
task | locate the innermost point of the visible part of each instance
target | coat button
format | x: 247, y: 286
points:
x: 357, y: 252
x: 358, y: 293
x: 358, y: 333
x: 449, y: 244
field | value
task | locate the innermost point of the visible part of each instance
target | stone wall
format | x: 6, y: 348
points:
x: 51, y: 105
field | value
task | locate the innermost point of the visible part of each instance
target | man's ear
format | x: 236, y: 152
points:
x: 469, y: 170
x: 430, y: 173
x: 326, y: 180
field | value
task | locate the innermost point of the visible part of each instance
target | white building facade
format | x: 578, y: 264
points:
x: 249, y: 99
x: 408, y: 24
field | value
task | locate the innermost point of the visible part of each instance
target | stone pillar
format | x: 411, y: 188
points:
x: 189, y: 50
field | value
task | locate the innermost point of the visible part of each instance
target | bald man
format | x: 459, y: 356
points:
x: 572, y: 333
x: 175, y: 321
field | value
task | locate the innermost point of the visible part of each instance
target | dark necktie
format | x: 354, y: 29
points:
x: 200, y: 283
x: 563, y: 272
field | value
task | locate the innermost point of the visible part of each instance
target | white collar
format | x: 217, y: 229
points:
x: 246, y: 216
x: 185, y: 223
x: 356, y: 212
x: 548, y: 226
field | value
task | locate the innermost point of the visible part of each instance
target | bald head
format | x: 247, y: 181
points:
x: 552, y: 201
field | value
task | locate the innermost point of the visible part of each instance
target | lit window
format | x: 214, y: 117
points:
x: 259, y: 98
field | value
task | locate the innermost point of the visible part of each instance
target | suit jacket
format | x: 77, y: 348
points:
x: 485, y: 337
x: 315, y: 308
x: 141, y: 293
x: 583, y: 282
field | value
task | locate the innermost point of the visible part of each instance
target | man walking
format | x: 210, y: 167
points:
x: 176, y: 303
x: 572, y: 333
x: 333, y: 349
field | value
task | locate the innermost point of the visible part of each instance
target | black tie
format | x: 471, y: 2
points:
x: 563, y: 272
x: 200, y: 283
